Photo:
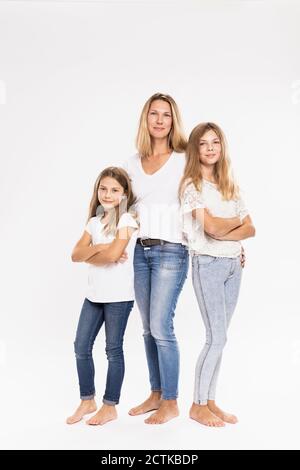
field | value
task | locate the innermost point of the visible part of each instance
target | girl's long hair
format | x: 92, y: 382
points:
x: 176, y: 138
x: 222, y: 169
x: 126, y: 204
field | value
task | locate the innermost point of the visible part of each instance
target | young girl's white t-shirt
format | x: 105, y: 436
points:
x: 113, y: 282
x: 211, y: 198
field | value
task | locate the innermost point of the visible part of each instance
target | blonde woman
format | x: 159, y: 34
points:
x: 215, y: 221
x: 161, y: 255
x: 111, y: 229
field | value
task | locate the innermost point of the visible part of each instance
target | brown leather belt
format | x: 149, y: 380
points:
x: 151, y: 241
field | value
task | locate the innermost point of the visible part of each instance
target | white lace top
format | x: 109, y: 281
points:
x: 211, y: 198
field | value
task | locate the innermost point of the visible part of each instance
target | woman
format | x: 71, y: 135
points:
x: 161, y: 257
x: 216, y: 219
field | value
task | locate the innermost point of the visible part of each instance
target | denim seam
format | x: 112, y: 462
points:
x: 205, y: 307
x: 92, y: 340
x: 121, y: 337
x: 179, y: 286
x: 94, y: 336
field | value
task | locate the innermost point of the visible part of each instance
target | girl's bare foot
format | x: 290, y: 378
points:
x: 227, y: 417
x: 85, y: 407
x: 152, y: 403
x: 104, y: 415
x: 203, y: 415
x: 167, y: 411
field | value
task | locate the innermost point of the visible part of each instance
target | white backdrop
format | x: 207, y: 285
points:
x: 74, y: 76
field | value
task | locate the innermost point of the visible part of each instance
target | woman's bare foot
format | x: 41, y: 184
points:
x: 227, y: 417
x: 152, y: 403
x: 203, y: 415
x: 85, y: 407
x: 104, y: 415
x: 168, y: 410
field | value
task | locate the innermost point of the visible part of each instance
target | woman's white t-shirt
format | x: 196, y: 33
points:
x: 211, y: 198
x: 113, y: 282
x: 158, y: 205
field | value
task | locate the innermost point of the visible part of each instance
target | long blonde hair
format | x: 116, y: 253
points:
x: 126, y: 204
x: 176, y: 138
x: 222, y: 169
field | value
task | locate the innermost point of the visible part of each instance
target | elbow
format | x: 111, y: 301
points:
x: 74, y: 257
x: 250, y: 232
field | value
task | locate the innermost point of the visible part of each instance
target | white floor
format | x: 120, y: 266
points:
x: 42, y: 427
x: 259, y: 382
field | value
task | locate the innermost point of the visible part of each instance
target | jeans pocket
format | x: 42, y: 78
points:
x: 206, y: 260
x: 173, y: 260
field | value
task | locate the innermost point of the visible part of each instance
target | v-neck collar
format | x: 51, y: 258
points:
x: 157, y: 171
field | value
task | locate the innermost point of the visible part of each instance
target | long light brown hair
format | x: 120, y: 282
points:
x: 176, y: 138
x: 222, y: 169
x: 126, y: 204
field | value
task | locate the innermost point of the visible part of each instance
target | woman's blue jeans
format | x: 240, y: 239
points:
x: 159, y: 275
x: 93, y: 314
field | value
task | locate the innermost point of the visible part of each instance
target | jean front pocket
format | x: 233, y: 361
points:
x: 173, y: 259
x: 206, y: 260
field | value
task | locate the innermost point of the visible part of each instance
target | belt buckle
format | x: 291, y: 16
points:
x: 141, y: 240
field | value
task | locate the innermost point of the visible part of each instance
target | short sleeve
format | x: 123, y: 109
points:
x: 192, y: 199
x: 126, y: 220
x: 88, y: 227
x: 241, y: 208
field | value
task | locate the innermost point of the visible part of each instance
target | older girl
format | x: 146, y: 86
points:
x: 215, y: 220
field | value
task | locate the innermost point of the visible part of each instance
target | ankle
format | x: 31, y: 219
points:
x: 196, y: 406
x: 108, y: 406
x: 156, y: 395
x: 88, y: 402
x: 169, y: 402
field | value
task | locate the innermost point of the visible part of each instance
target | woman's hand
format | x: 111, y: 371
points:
x: 243, y: 257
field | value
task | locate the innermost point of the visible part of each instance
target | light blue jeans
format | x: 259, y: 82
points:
x: 159, y: 275
x: 216, y: 283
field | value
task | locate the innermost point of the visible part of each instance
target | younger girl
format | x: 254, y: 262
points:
x: 215, y: 220
x: 110, y: 230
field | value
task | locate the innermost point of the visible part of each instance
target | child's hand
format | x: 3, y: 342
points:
x: 124, y: 257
